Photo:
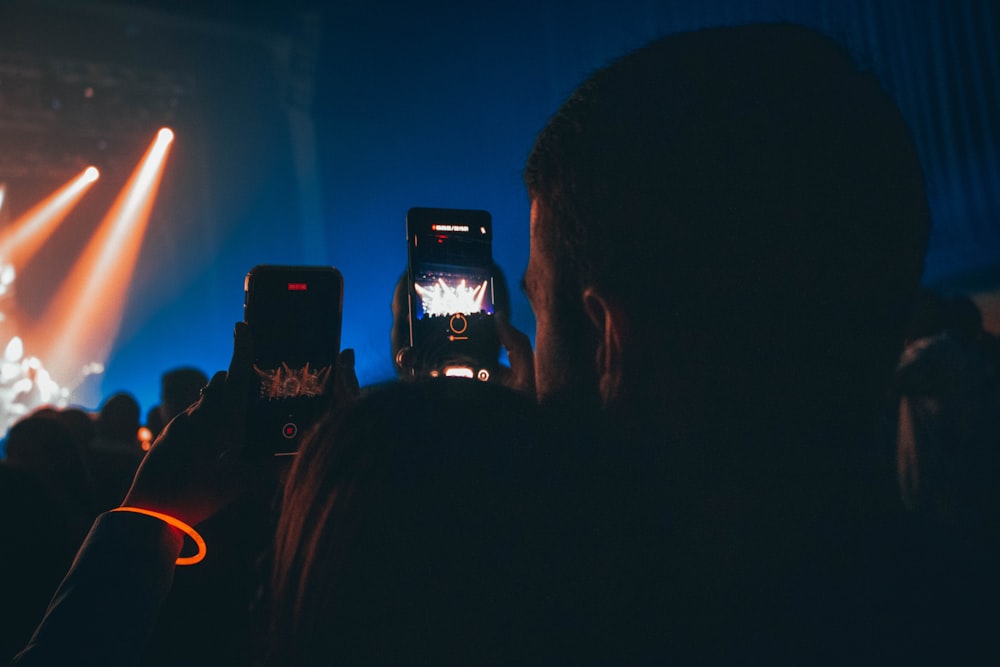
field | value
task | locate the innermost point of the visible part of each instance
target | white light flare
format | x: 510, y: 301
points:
x: 25, y: 385
x: 15, y: 349
x: 440, y: 298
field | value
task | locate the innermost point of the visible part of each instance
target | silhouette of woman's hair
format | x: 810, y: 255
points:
x: 403, y: 533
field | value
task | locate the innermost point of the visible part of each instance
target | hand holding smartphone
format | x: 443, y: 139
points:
x: 294, y: 315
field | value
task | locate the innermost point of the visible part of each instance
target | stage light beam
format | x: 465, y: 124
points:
x: 84, y: 317
x: 23, y: 237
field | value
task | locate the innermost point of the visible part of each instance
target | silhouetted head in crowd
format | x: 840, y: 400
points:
x: 115, y: 452
x: 154, y: 421
x: 80, y: 423
x: 118, y: 419
x: 41, y: 445
x: 405, y: 532
x: 948, y: 426
x: 724, y: 221
x: 179, y: 388
x: 399, y: 336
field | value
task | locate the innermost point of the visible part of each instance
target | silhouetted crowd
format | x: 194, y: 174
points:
x: 744, y: 435
x: 62, y: 468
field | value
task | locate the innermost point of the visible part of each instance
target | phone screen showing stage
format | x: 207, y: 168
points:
x: 451, y: 292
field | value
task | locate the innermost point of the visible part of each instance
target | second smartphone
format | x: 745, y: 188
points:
x: 450, y: 289
x: 294, y: 314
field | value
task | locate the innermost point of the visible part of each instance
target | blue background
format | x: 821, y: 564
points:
x: 437, y: 104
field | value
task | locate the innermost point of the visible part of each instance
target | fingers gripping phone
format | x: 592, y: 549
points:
x: 294, y: 315
x: 450, y: 291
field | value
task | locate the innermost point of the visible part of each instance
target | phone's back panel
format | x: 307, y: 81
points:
x: 294, y: 315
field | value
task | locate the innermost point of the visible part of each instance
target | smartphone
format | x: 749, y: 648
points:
x: 450, y: 290
x: 294, y: 314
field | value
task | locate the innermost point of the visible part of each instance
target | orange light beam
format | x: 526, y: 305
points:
x: 83, y: 319
x: 21, y: 240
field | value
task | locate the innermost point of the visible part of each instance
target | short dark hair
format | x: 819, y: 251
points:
x: 746, y: 188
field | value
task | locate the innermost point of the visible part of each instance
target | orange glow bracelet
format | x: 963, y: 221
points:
x: 199, y: 541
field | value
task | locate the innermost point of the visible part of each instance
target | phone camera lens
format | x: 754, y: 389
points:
x: 289, y: 430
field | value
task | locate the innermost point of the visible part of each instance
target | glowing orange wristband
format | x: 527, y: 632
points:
x: 199, y: 541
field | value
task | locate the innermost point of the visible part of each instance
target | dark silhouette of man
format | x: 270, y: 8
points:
x: 727, y: 228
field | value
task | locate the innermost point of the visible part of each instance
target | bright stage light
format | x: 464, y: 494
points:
x: 25, y: 383
x: 441, y: 298
x: 145, y: 438
x: 22, y: 238
x: 83, y: 319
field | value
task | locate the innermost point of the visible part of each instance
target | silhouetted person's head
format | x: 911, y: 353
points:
x: 405, y: 532
x: 729, y: 219
x: 118, y: 419
x: 45, y: 447
x: 154, y: 421
x: 80, y: 423
x: 179, y: 388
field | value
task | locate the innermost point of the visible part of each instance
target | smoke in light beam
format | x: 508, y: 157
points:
x: 84, y: 317
x: 21, y: 239
x: 25, y: 382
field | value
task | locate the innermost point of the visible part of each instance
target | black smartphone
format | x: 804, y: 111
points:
x: 450, y: 289
x: 294, y: 315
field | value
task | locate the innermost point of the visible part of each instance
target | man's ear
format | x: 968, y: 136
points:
x: 611, y: 328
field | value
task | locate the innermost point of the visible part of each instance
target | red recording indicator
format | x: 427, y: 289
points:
x: 297, y: 287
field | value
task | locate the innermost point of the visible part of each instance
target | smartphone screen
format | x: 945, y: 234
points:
x: 451, y: 292
x: 294, y: 315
